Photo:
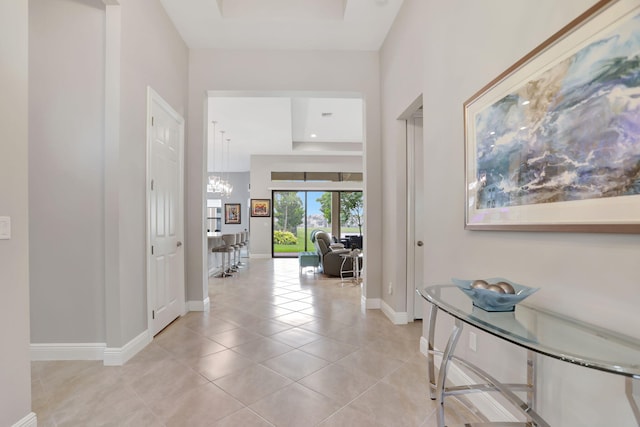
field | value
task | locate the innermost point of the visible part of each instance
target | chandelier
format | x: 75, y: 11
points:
x: 218, y: 183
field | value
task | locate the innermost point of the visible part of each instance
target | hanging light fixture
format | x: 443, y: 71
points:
x: 212, y: 178
x: 228, y: 188
x: 217, y: 182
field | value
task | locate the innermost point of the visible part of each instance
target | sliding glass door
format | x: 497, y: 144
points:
x: 296, y: 214
x: 351, y: 218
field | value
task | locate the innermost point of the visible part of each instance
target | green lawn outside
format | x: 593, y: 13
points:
x: 299, y: 247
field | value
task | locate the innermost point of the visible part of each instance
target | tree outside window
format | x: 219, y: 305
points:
x: 351, y: 208
x: 288, y: 212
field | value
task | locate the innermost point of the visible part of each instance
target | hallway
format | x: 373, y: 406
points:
x: 277, y: 348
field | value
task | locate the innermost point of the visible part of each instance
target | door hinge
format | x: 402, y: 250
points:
x: 151, y: 249
x: 152, y: 120
x: 153, y: 314
x: 152, y: 184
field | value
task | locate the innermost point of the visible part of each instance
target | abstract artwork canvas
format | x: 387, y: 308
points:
x: 260, y: 207
x: 561, y: 132
x: 232, y: 213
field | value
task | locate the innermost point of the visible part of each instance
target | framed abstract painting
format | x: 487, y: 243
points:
x: 553, y: 143
x: 232, y: 213
x: 260, y: 207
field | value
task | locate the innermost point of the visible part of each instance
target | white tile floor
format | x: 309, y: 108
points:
x: 277, y: 348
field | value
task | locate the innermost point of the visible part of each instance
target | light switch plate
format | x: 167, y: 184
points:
x: 5, y: 227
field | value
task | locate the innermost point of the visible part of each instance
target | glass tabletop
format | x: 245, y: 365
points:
x: 352, y: 254
x: 545, y: 332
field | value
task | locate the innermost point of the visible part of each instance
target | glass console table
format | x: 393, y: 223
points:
x: 537, y: 330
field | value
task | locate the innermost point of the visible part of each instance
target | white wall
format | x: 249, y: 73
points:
x: 401, y: 74
x: 153, y: 54
x: 593, y: 277
x: 240, y: 194
x: 235, y: 70
x: 66, y: 139
x: 87, y: 288
x: 262, y: 186
x: 15, y: 369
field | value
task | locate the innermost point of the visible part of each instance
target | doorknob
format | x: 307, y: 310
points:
x: 179, y: 244
x: 420, y: 243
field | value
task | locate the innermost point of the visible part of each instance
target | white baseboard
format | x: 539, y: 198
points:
x: 397, y: 318
x: 29, y: 421
x: 198, y: 305
x: 120, y: 355
x: 259, y: 256
x: 67, y: 351
x: 487, y: 405
x: 379, y: 304
x: 370, y: 303
x: 90, y: 351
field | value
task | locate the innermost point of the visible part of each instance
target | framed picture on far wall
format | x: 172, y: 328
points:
x: 232, y: 213
x: 261, y: 207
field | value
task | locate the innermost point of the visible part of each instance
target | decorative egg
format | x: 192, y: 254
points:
x: 496, y: 288
x: 479, y: 284
x: 508, y: 289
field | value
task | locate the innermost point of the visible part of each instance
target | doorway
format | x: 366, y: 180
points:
x: 165, y: 213
x: 415, y: 212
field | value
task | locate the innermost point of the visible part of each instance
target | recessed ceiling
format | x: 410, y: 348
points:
x: 283, y: 24
x: 283, y: 10
x: 281, y: 125
x: 335, y: 120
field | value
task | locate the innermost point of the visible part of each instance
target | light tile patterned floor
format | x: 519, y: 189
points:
x: 277, y: 348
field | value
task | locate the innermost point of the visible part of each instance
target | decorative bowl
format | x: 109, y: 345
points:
x: 493, y: 301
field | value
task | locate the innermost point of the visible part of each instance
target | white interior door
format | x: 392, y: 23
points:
x: 415, y: 213
x: 165, y: 178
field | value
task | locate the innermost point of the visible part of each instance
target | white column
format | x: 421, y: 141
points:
x: 15, y: 369
x: 111, y: 174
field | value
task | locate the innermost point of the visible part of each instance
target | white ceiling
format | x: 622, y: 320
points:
x: 283, y: 24
x: 283, y: 123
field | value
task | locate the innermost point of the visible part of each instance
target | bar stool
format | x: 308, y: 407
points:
x: 238, y: 248
x: 230, y: 242
x: 245, y: 240
x: 226, y: 252
x: 241, y: 244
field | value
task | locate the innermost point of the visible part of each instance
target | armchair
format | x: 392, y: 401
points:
x: 330, y: 259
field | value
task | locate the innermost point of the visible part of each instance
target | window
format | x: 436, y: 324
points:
x: 316, y: 176
x: 351, y: 217
x: 296, y: 214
